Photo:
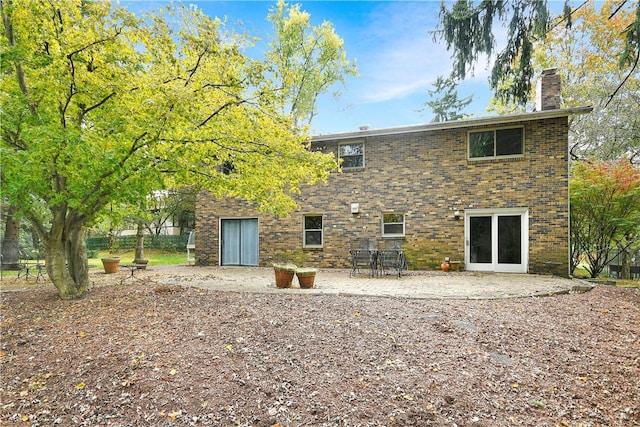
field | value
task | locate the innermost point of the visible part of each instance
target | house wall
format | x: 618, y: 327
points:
x: 428, y: 176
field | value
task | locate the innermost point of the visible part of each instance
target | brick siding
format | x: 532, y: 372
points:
x: 428, y: 176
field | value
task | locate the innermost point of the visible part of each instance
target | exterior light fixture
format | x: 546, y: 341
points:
x: 355, y: 208
x: 456, y: 214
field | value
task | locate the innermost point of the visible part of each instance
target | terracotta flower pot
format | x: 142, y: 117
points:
x: 445, y: 266
x: 110, y: 265
x: 284, y: 275
x: 306, y: 277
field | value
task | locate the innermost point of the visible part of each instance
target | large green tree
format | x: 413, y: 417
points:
x: 467, y: 26
x: 98, y: 105
x: 308, y: 60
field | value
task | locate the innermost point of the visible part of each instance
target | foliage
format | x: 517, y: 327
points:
x: 307, y: 60
x: 178, y: 205
x: 590, y: 75
x: 467, y: 27
x: 162, y: 242
x: 445, y: 102
x: 605, y: 206
x: 100, y: 106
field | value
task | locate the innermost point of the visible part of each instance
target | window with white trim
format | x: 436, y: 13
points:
x: 496, y: 143
x: 313, y: 231
x: 392, y: 224
x: 352, y: 155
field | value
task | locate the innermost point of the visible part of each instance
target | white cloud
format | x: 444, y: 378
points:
x: 403, y: 59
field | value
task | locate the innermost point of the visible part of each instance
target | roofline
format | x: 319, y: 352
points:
x: 472, y: 122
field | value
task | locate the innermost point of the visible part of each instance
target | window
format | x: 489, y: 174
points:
x: 393, y: 224
x: 312, y: 231
x: 497, y: 142
x: 352, y: 155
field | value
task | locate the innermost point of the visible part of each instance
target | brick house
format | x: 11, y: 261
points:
x: 491, y: 192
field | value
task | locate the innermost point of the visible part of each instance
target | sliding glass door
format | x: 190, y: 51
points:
x: 496, y: 240
x: 239, y: 242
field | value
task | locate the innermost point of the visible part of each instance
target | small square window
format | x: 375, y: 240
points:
x: 393, y: 224
x: 352, y: 155
x: 312, y: 231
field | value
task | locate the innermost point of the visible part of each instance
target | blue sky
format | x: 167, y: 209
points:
x: 397, y: 59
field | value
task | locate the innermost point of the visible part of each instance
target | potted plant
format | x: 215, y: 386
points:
x: 284, y: 274
x: 306, y: 277
x: 110, y: 264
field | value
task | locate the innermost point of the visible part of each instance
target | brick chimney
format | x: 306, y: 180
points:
x: 548, y: 90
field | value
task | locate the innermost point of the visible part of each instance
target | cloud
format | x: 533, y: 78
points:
x: 402, y: 58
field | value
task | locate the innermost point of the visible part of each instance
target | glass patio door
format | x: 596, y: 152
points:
x: 239, y: 242
x: 496, y: 240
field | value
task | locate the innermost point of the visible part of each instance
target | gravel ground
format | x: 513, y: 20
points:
x: 147, y: 352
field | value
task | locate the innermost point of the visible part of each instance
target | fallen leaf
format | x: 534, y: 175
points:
x: 80, y: 386
x: 173, y: 372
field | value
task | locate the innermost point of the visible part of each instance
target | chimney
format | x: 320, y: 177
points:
x: 548, y: 90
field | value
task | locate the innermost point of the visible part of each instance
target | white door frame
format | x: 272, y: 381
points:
x: 495, y: 265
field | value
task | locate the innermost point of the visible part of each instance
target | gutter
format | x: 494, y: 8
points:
x: 456, y: 124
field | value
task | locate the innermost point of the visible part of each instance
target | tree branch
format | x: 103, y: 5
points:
x: 19, y: 70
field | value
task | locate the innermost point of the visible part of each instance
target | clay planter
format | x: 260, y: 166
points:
x: 306, y: 277
x: 110, y: 265
x: 284, y: 274
x: 445, y: 266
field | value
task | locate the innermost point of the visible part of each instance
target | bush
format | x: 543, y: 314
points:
x: 166, y: 243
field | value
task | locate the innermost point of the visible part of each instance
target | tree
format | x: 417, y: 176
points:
x: 590, y: 75
x: 170, y: 205
x: 99, y: 106
x: 10, y: 243
x: 447, y: 106
x: 605, y: 208
x: 307, y: 60
x: 467, y: 28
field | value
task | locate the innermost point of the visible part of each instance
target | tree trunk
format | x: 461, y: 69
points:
x: 66, y: 261
x: 10, y: 242
x: 139, y: 242
x: 625, y: 264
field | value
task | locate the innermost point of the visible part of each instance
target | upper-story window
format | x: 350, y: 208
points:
x: 393, y: 224
x: 352, y: 155
x: 496, y: 142
x: 312, y: 231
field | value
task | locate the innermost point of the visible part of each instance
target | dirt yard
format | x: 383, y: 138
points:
x: 144, y: 353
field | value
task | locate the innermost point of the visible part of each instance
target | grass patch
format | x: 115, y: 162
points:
x: 155, y: 257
